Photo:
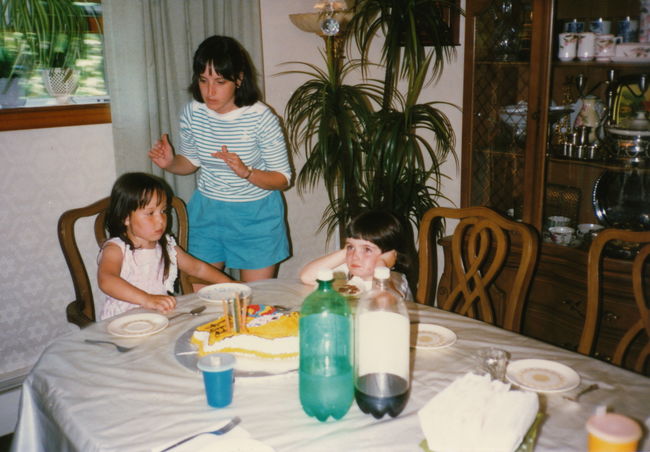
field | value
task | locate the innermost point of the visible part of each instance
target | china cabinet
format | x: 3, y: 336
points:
x: 526, y: 155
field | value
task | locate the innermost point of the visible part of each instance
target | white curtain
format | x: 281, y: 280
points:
x: 149, y: 46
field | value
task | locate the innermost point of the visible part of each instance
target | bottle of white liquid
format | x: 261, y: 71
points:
x: 382, y: 332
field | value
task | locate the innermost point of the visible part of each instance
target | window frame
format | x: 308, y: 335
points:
x: 54, y: 116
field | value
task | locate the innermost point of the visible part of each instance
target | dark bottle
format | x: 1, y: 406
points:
x: 325, y: 374
x: 382, y: 350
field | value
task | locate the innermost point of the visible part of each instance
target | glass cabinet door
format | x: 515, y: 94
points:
x: 497, y: 88
x: 590, y: 177
x: 534, y: 142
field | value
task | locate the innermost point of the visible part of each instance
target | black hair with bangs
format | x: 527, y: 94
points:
x: 385, y: 230
x: 230, y: 60
x: 132, y: 191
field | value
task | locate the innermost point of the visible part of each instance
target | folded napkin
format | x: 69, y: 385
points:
x: 475, y: 413
x: 206, y: 441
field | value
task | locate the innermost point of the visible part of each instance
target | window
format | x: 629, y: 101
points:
x: 88, y: 104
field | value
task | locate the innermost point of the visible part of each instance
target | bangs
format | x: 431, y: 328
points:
x: 220, y: 66
x: 148, y: 194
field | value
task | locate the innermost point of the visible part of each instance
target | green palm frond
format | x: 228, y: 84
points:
x: 371, y: 146
x: 400, y: 23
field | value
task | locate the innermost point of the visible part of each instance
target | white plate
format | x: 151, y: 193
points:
x: 541, y: 375
x: 136, y: 325
x: 216, y: 293
x: 428, y: 336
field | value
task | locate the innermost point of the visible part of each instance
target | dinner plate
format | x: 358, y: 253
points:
x: 187, y: 356
x: 541, y: 375
x: 136, y: 325
x: 217, y: 293
x: 429, y: 336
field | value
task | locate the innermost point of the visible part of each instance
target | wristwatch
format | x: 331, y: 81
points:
x: 250, y: 171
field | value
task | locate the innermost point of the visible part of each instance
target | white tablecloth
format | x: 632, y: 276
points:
x: 89, y: 398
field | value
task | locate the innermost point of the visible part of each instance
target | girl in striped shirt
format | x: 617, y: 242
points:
x: 235, y: 142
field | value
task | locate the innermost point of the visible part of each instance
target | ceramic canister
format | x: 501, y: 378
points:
x: 628, y: 29
x: 600, y: 26
x: 644, y: 21
x: 574, y: 26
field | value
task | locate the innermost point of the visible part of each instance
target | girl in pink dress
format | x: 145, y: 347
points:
x: 139, y: 263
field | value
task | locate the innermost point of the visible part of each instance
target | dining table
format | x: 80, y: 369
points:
x: 91, y: 397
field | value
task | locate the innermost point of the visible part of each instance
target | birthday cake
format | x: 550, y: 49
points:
x: 267, y: 340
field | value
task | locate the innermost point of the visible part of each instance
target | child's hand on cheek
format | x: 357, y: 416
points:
x: 388, y: 259
x: 161, y: 303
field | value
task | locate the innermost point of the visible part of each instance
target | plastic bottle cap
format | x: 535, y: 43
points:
x: 325, y: 274
x: 382, y: 273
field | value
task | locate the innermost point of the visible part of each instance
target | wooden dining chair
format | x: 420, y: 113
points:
x: 474, y: 282
x: 636, y: 338
x: 81, y: 311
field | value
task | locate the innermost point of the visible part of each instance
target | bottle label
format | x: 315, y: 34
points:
x: 383, y: 344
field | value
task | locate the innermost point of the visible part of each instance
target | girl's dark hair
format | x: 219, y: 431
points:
x: 231, y: 61
x: 130, y: 192
x: 385, y: 230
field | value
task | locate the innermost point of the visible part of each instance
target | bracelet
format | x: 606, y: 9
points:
x: 250, y: 171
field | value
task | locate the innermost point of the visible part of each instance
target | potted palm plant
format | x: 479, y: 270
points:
x: 370, y: 144
x: 53, y: 32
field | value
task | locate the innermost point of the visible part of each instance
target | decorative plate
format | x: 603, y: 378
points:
x: 217, y: 293
x: 137, y: 325
x: 625, y: 59
x: 628, y: 132
x: 541, y: 375
x: 428, y: 336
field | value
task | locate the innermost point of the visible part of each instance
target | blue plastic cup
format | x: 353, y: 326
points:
x: 218, y: 377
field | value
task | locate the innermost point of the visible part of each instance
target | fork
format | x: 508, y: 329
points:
x: 575, y: 397
x: 220, y: 431
x: 119, y: 348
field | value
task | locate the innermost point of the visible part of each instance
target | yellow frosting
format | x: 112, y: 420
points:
x: 285, y: 326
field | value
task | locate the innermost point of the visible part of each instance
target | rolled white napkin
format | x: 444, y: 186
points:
x: 475, y: 413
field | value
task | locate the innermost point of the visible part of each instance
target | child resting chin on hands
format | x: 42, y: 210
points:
x: 374, y: 238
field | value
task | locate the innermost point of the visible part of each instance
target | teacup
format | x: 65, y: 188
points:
x: 557, y: 220
x: 562, y: 235
x: 588, y: 228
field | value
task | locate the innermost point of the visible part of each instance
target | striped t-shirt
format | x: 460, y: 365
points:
x: 252, y: 132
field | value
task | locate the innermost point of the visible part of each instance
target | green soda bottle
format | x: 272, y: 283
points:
x: 325, y: 373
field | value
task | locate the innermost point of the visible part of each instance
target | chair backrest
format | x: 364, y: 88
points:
x: 481, y: 246
x: 637, y: 335
x: 81, y: 311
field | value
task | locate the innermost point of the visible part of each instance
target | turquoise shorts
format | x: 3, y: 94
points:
x: 244, y: 235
